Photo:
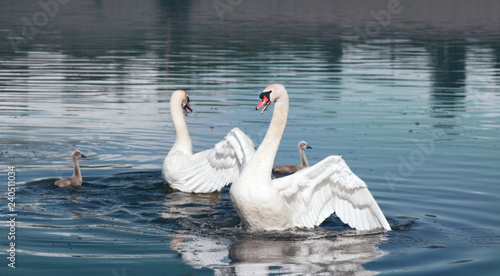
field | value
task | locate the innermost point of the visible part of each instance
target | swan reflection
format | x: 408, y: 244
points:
x: 216, y: 241
x: 263, y: 256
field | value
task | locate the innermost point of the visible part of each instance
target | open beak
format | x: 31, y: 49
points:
x: 264, y: 101
x: 187, y: 107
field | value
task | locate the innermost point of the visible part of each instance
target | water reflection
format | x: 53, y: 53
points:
x: 265, y: 257
x: 448, y: 62
x: 496, y: 61
x: 210, y: 237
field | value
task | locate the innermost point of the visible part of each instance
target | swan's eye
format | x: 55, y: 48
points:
x: 266, y: 94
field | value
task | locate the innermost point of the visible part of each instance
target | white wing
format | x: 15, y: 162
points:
x: 314, y: 193
x: 213, y: 169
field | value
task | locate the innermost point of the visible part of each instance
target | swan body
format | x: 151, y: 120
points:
x: 303, y: 199
x: 76, y: 179
x: 286, y: 169
x: 207, y: 171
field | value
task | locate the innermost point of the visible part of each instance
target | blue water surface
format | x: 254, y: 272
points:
x: 407, y: 94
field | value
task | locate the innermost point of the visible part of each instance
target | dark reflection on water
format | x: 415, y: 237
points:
x: 410, y: 101
x: 449, y: 75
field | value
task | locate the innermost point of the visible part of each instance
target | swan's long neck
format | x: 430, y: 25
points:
x: 182, y: 139
x: 303, y: 158
x: 267, y: 150
x: 76, y: 168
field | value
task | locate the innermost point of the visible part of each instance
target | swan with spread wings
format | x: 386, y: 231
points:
x: 306, y: 198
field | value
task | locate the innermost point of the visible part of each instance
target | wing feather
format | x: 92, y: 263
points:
x: 213, y: 169
x: 314, y: 193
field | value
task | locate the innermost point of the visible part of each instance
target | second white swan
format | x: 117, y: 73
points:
x: 206, y: 171
x: 306, y: 198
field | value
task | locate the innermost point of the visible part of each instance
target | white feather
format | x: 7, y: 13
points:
x: 207, y: 171
x: 305, y: 198
x: 210, y: 170
x: 339, y: 186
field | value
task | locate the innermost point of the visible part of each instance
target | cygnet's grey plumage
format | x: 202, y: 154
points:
x: 76, y: 179
x: 285, y: 169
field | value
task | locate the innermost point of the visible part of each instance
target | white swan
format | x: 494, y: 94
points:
x: 303, y: 199
x: 76, y: 179
x: 207, y: 171
x: 286, y: 169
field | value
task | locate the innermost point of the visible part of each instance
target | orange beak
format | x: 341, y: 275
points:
x: 186, y: 107
x: 264, y: 101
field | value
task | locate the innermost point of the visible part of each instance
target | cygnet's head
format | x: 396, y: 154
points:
x: 77, y: 154
x: 303, y: 145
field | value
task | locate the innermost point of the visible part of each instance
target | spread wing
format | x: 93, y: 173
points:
x: 213, y: 169
x: 316, y: 192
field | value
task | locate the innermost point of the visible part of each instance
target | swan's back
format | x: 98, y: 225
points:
x: 209, y: 171
x: 68, y: 182
x: 286, y: 169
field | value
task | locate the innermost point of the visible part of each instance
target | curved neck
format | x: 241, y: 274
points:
x: 267, y: 150
x: 303, y: 158
x: 76, y: 168
x: 182, y: 139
